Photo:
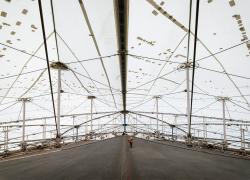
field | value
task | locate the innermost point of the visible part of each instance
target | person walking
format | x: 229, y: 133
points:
x: 130, y: 141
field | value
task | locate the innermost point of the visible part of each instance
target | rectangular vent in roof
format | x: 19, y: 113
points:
x: 3, y: 14
x: 24, y: 11
x: 231, y: 3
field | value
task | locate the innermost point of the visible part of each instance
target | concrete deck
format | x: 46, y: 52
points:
x: 113, y: 159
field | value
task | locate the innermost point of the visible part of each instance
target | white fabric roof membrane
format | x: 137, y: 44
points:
x: 157, y: 46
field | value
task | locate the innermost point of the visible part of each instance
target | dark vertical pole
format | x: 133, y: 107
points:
x: 194, y: 56
x: 121, y: 8
x: 77, y: 133
x: 47, y: 60
x: 172, y: 133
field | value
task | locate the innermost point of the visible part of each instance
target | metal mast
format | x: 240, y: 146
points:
x: 24, y: 100
x: 121, y: 8
x: 59, y: 66
x: 91, y: 112
x: 223, y: 100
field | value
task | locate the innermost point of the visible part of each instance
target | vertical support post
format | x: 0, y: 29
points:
x: 77, y: 128
x: 91, y: 112
x: 124, y: 122
x: 114, y: 119
x: 175, y: 123
x: 91, y: 115
x: 204, y: 129
x: 162, y: 127
x: 59, y: 67
x: 172, y: 133
x: 24, y: 100
x: 224, y: 121
x: 242, y: 139
x: 157, y: 115
x: 224, y: 99
x: 188, y: 101
x: 186, y: 66
x: 101, y: 131
x: 7, y: 138
x: 157, y: 112
x: 59, y: 100
x: 121, y: 9
x: 5, y: 130
x: 4, y: 134
x: 73, y: 123
x: 44, y: 128
x: 136, y: 122
x: 23, y: 136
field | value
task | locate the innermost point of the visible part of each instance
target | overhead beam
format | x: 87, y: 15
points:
x: 62, y: 116
x: 121, y: 10
x: 184, y: 115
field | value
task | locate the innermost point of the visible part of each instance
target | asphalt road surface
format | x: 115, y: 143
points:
x: 113, y: 160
